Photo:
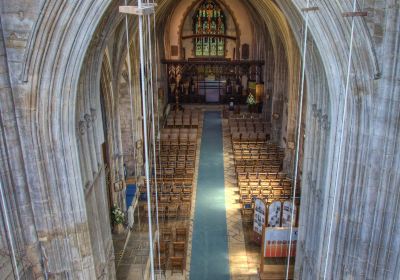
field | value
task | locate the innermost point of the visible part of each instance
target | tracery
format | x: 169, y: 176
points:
x: 209, y: 25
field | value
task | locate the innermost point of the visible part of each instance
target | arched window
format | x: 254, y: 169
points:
x: 208, y: 23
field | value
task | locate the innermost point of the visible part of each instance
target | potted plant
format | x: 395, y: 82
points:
x: 118, y: 218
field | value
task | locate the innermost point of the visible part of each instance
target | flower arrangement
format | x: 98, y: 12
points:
x: 117, y: 215
x: 251, y: 100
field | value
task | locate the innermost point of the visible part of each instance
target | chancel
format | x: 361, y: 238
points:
x: 199, y: 139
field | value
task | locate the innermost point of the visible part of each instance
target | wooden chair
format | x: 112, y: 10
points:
x: 172, y: 211
x: 176, y: 264
x: 184, y: 210
x: 253, y: 176
x: 194, y: 122
x: 190, y: 171
x: 164, y: 248
x: 186, y: 122
x: 166, y: 234
x: 175, y: 198
x: 170, y: 122
x: 164, y: 198
x: 160, y: 265
x: 192, y: 137
x: 186, y: 198
x: 236, y: 136
x: 178, y: 122
x: 169, y: 172
x: 174, y: 137
x: 162, y: 210
x: 180, y: 234
x: 183, y: 138
x: 178, y: 249
x: 187, y: 190
x: 247, y: 215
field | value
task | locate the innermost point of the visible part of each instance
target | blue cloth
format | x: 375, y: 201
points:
x: 130, y: 194
x: 210, y: 258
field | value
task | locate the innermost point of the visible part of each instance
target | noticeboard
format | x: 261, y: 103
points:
x: 260, y: 212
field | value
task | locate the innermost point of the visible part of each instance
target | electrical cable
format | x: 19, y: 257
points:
x: 146, y: 144
x: 8, y: 230
x: 154, y: 137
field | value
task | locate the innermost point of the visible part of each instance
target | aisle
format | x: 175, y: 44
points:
x: 210, y: 242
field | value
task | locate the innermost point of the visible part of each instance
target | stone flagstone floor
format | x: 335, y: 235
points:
x: 243, y: 256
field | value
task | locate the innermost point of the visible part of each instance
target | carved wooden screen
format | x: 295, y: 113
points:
x: 209, y: 20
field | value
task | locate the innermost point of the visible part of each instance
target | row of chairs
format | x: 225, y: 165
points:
x: 248, y: 123
x: 175, y: 157
x: 175, y: 172
x: 179, y: 131
x: 179, y: 137
x: 184, y: 195
x: 261, y: 176
x: 257, y: 168
x: 172, y: 250
x: 249, y: 128
x: 169, y: 233
x: 258, y: 162
x: 173, y: 145
x: 264, y: 181
x: 178, y: 164
x: 267, y: 192
x: 190, y: 153
x: 185, y: 114
x: 250, y: 136
x: 177, y: 151
x: 172, y: 181
x: 257, y: 149
x: 186, y: 122
x: 169, y: 198
x: 245, y: 116
x: 254, y: 145
x: 169, y: 146
x: 174, y: 190
x: 178, y: 208
x: 257, y: 156
x: 268, y: 197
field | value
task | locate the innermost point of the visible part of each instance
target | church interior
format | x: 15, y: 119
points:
x: 200, y: 139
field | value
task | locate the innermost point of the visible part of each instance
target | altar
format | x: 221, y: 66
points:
x: 211, y: 90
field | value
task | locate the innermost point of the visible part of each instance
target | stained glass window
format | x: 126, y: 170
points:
x: 209, y: 20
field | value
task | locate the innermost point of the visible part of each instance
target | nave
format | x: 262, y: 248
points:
x: 208, y: 181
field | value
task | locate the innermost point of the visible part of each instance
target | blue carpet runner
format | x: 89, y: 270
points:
x: 210, y: 258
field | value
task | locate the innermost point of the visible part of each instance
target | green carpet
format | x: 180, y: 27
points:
x: 210, y: 258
